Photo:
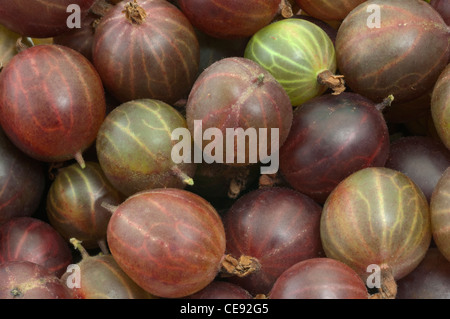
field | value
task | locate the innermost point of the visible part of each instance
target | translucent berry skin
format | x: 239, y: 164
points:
x: 319, y: 278
x: 171, y: 242
x: 377, y: 216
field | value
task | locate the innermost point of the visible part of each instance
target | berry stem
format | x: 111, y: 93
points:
x: 24, y: 43
x: 238, y: 183
x: 286, y: 9
x: 385, y: 103
x: 183, y: 176
x: 80, y: 160
x: 332, y: 81
x: 77, y: 245
x: 103, y: 247
x: 241, y: 267
x: 388, y: 289
x: 134, y: 13
x: 110, y: 208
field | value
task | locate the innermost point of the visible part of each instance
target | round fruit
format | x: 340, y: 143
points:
x: 146, y: 49
x: 27, y: 280
x: 41, y: 19
x: 329, y: 30
x: 440, y: 106
x: 169, y: 241
x: 328, y: 9
x: 31, y: 239
x: 276, y: 226
x: 238, y: 94
x: 230, y: 18
x: 443, y: 7
x: 333, y: 136
x: 430, y: 280
x: 300, y: 55
x: 440, y: 214
x: 99, y: 277
x: 319, y: 278
x: 74, y: 203
x: 81, y: 39
x: 377, y: 216
x: 399, y: 49
x: 52, y: 102
x: 134, y: 147
x: 421, y: 158
x: 22, y: 182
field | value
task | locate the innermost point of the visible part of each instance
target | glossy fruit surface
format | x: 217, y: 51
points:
x: 376, y: 216
x: 52, y: 102
x: 74, y: 203
x: 169, y: 241
x: 31, y: 239
x: 277, y: 226
x: 295, y: 52
x: 421, y: 158
x: 402, y: 53
x: 443, y: 7
x: 440, y: 214
x: 430, y: 280
x: 229, y: 18
x: 146, y: 49
x: 27, y: 280
x: 134, y: 147
x: 440, y: 106
x: 100, y: 277
x: 332, y: 137
x: 328, y: 9
x: 22, y: 182
x: 39, y: 19
x: 237, y: 93
x: 319, y: 278
x: 329, y: 30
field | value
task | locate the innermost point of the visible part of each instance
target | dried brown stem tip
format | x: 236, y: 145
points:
x: 286, y: 9
x: 241, y: 267
x: 270, y: 180
x: 334, y: 82
x: 388, y: 289
x: 134, y: 13
x: 238, y: 184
